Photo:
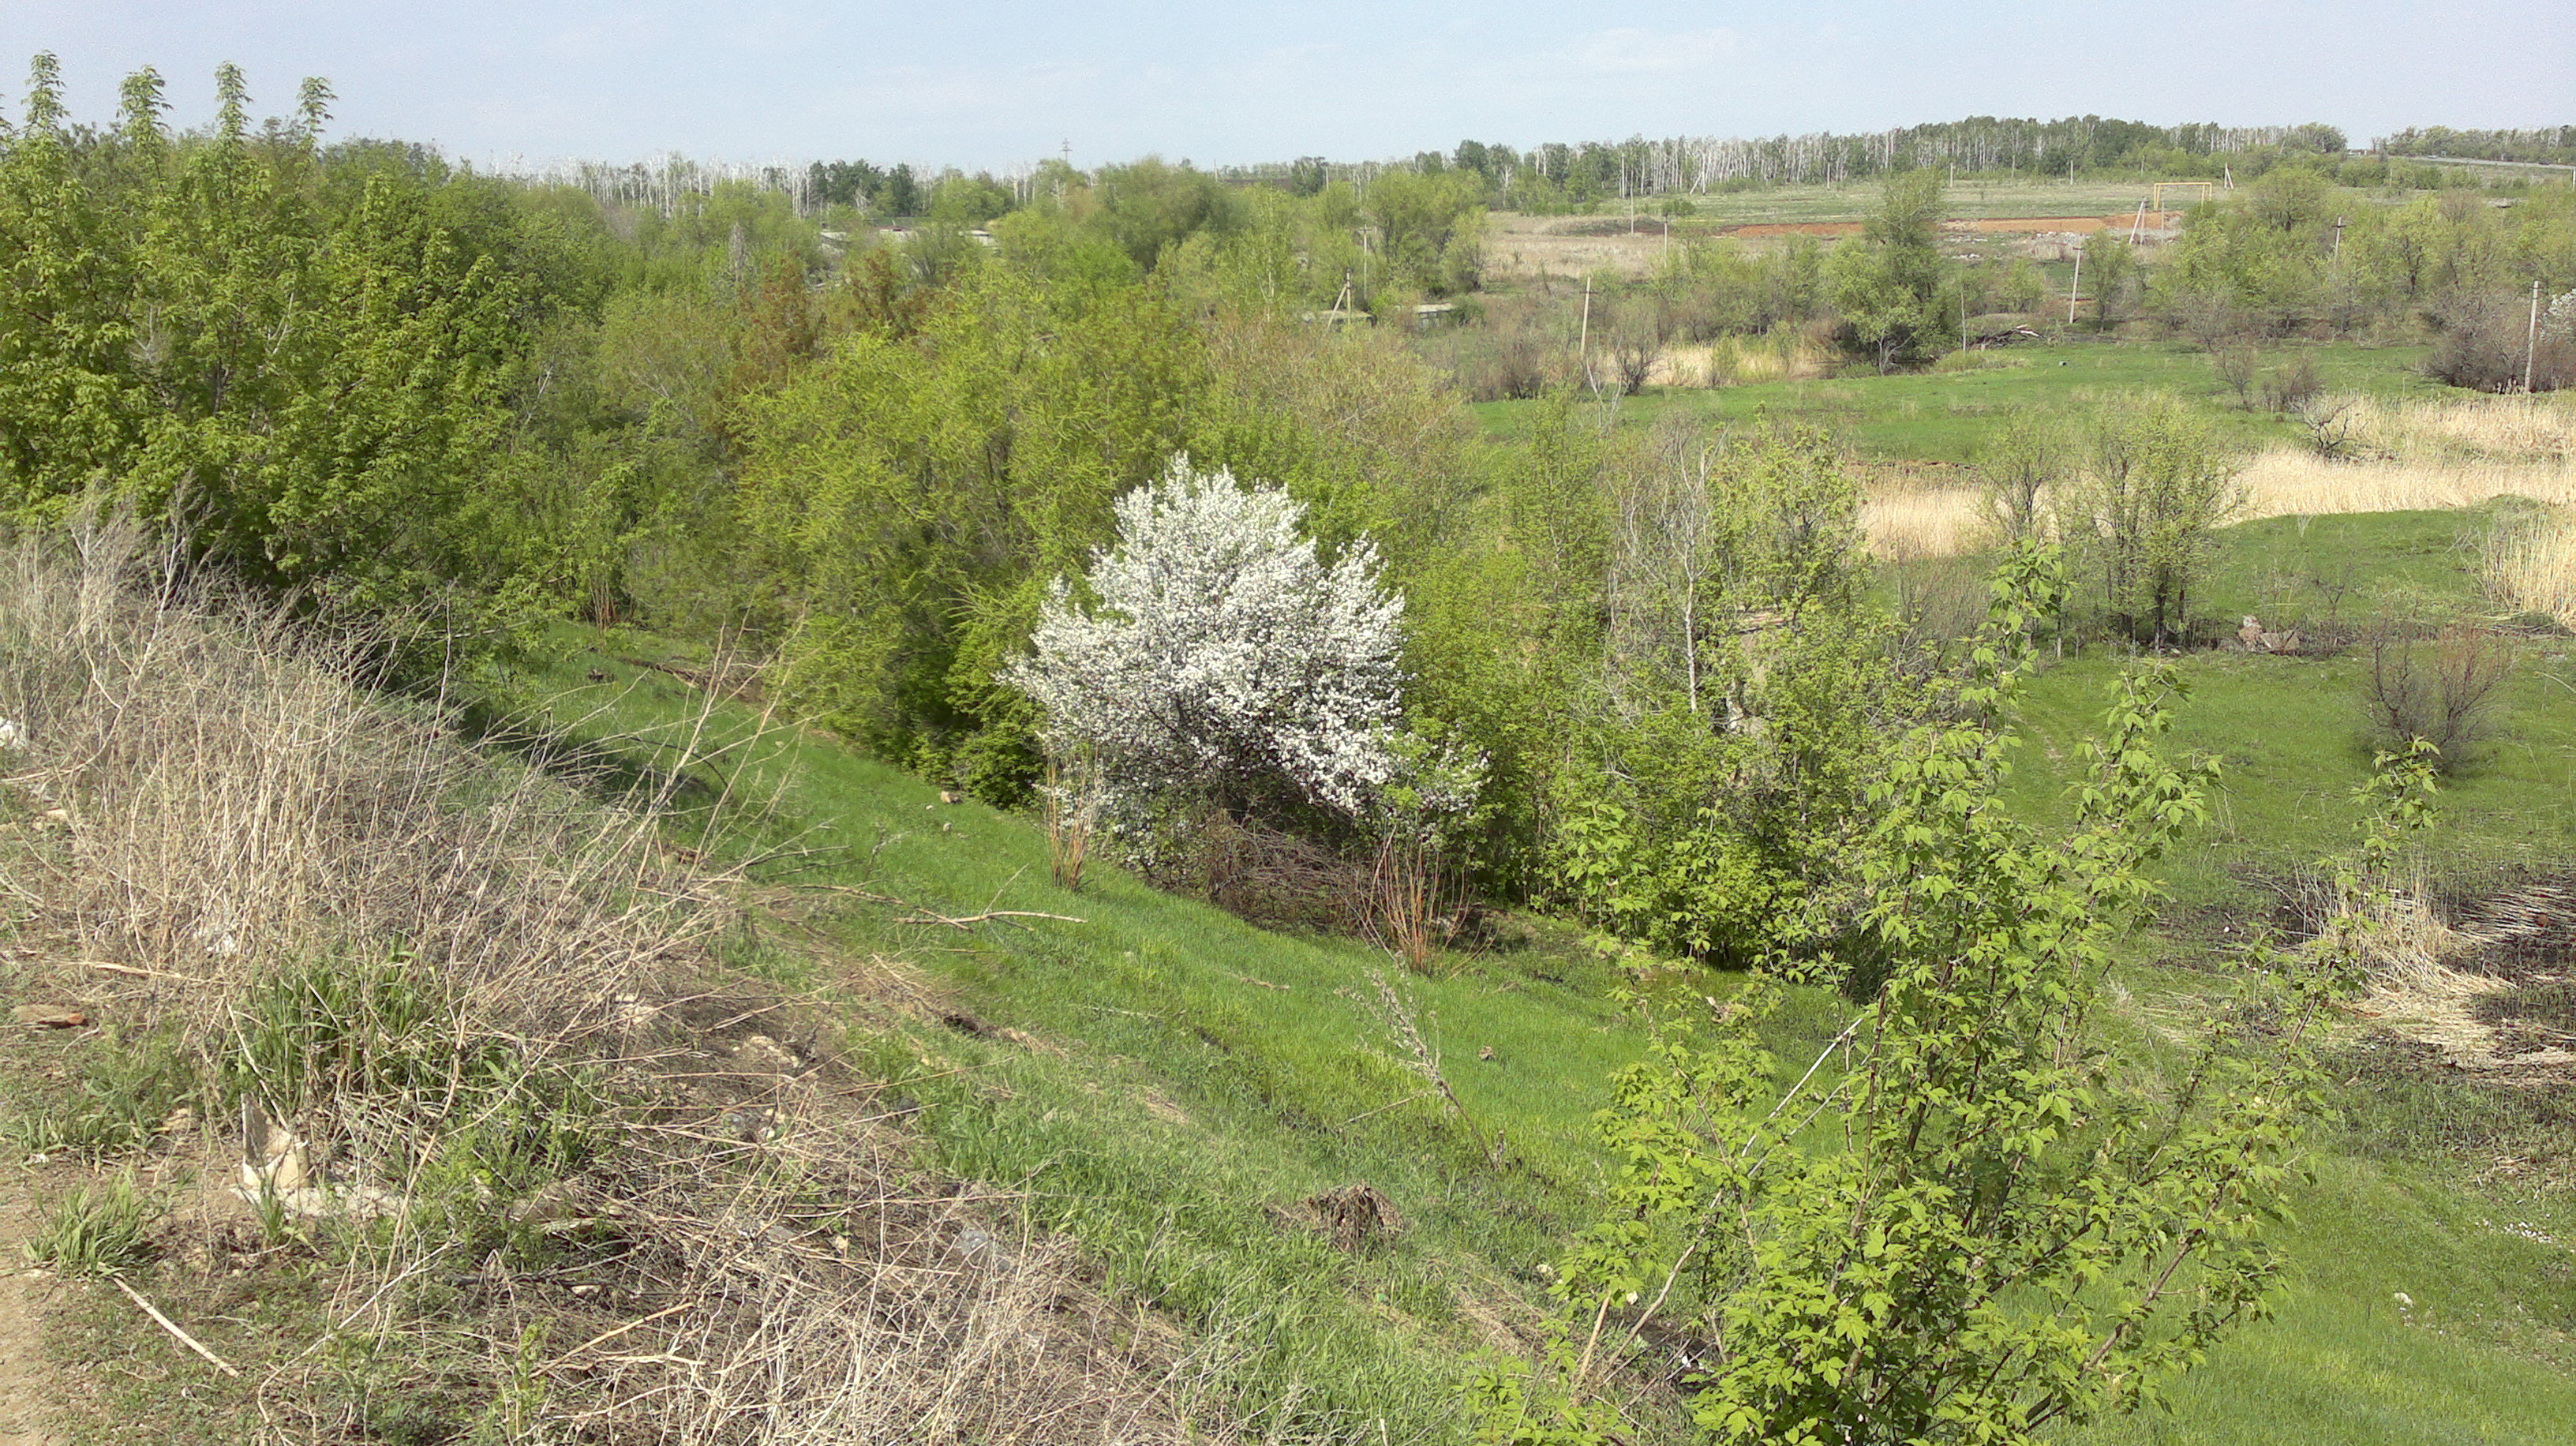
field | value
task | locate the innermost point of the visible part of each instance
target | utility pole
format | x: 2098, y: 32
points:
x: 2531, y: 338
x: 2075, y: 286
x: 1583, y: 344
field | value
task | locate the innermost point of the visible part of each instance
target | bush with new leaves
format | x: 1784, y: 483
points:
x: 1221, y: 660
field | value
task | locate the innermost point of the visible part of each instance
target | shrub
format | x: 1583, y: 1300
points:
x: 2022, y: 466
x: 2154, y: 489
x: 2485, y: 342
x: 1636, y: 347
x: 1221, y: 659
x: 2444, y: 689
x: 2236, y: 366
x: 2293, y: 384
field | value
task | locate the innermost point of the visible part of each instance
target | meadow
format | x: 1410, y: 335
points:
x: 1186, y: 1080
x: 542, y: 904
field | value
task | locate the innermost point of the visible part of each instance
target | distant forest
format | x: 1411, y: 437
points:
x: 1559, y: 176
x: 2550, y: 145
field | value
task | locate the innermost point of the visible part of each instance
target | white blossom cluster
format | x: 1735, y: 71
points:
x: 1222, y: 654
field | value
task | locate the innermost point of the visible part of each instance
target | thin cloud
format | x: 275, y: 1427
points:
x: 1630, y: 51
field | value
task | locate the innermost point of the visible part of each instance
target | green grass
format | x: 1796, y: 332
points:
x: 95, y: 1228
x: 1195, y: 1075
x: 1191, y: 1076
x: 1945, y: 416
x: 2482, y: 1353
x: 2291, y: 732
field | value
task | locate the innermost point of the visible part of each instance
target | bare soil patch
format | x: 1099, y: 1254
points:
x: 27, y: 1387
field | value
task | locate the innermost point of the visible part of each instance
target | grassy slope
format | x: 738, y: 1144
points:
x: 1173, y: 1102
x: 2483, y: 1352
x: 1942, y: 416
x: 1194, y: 1074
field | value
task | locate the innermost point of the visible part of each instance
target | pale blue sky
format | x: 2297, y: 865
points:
x: 992, y: 84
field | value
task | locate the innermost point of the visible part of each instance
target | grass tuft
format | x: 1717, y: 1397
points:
x: 99, y: 1229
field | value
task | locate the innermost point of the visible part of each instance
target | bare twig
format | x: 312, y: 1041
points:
x: 167, y: 1324
x: 146, y: 973
x: 614, y: 1332
x: 962, y: 920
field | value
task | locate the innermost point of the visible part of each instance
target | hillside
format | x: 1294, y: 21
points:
x: 1324, y: 804
x: 1154, y: 1092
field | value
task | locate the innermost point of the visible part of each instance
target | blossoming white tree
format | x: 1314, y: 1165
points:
x: 1222, y: 658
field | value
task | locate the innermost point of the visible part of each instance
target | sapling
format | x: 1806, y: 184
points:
x: 2014, y: 1233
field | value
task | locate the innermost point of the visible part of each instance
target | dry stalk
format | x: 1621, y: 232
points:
x: 1419, y: 1053
x: 1409, y: 895
x: 1072, y: 794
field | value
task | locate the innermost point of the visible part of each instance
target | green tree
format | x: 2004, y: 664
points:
x: 299, y: 371
x: 1150, y: 205
x: 1428, y: 224
x: 2142, y: 516
x: 1888, y: 281
x: 1711, y: 803
x: 2023, y: 287
x: 2018, y: 1234
x: 2111, y: 267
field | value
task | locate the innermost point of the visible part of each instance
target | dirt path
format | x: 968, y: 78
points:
x: 27, y: 1389
x: 2153, y: 220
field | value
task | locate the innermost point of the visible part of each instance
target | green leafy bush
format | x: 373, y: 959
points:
x: 2000, y: 1232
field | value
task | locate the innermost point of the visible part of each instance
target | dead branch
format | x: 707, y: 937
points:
x: 167, y: 1324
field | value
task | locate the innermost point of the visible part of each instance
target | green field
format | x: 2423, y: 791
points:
x: 1941, y: 416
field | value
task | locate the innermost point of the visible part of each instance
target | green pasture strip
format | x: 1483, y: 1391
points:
x: 1946, y: 416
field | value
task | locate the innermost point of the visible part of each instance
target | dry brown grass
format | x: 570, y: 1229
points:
x: 2294, y: 482
x: 778, y: 1269
x: 2438, y: 964
x: 234, y: 801
x: 2515, y: 428
x: 738, y: 1248
x: 1744, y: 360
x: 2530, y: 567
x: 1906, y: 519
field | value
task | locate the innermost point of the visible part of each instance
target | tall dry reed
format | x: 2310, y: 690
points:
x: 2530, y: 567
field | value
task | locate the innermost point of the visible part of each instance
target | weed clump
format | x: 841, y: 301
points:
x: 100, y: 1229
